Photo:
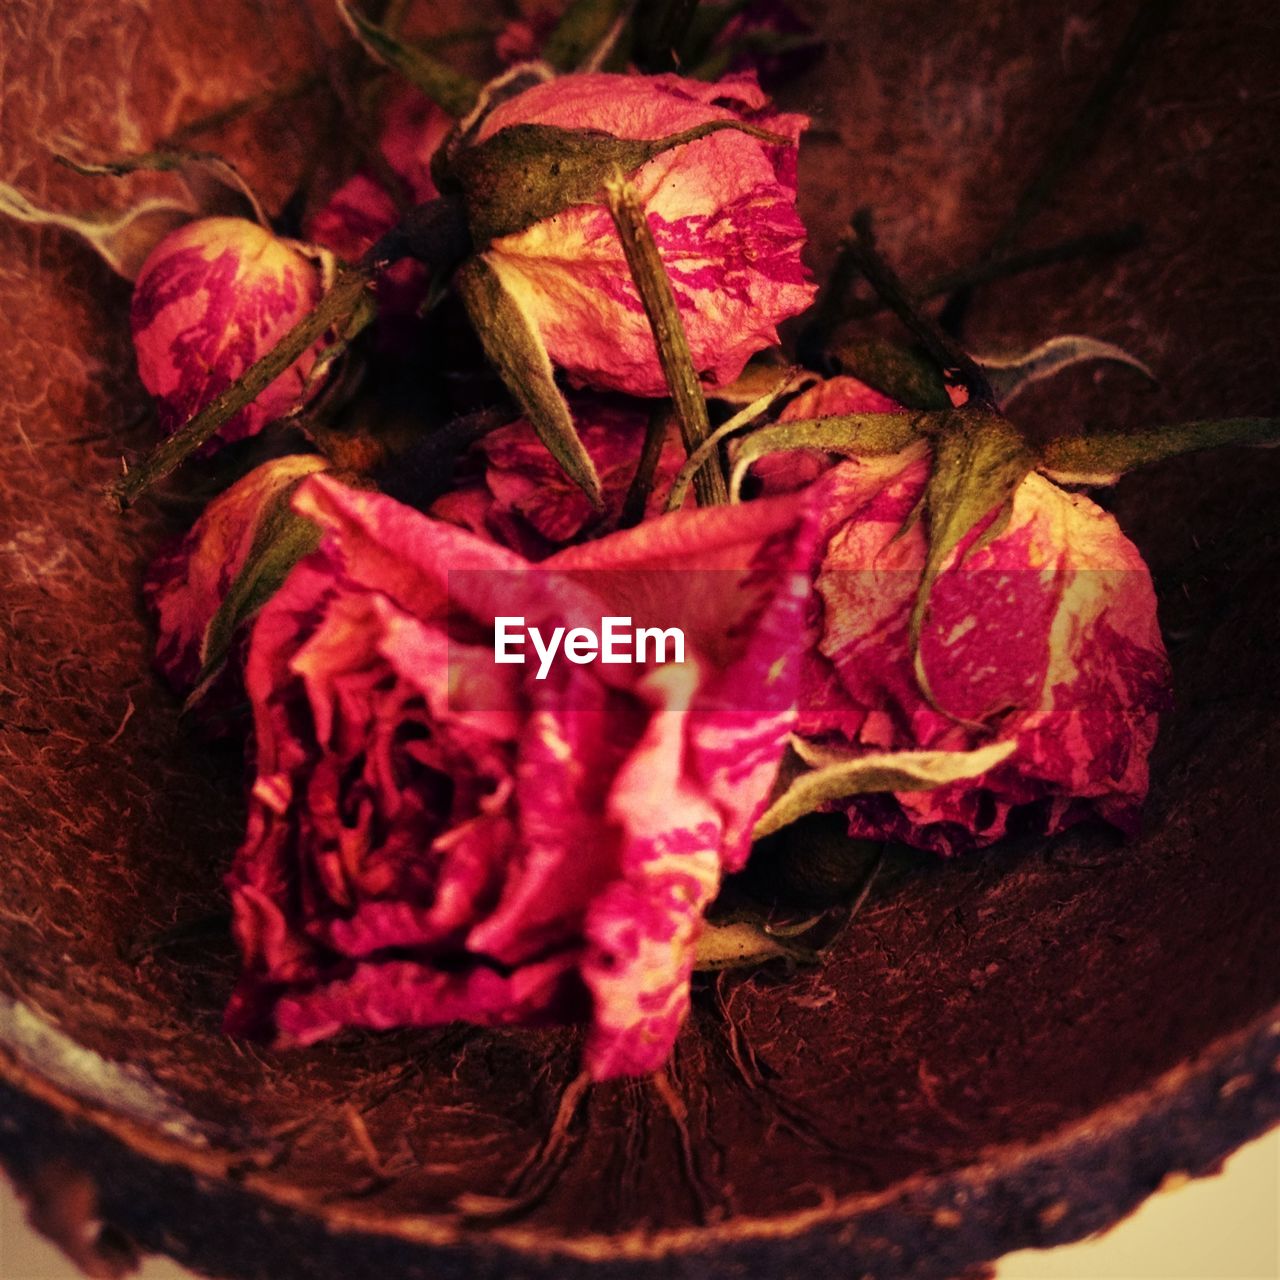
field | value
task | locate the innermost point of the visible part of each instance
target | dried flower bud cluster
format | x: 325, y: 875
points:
x: 484, y: 381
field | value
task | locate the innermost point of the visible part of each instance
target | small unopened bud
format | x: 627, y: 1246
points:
x: 211, y: 299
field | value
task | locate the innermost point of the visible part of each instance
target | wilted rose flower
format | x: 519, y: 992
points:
x: 213, y: 297
x: 525, y: 501
x: 722, y: 210
x: 433, y: 836
x: 187, y: 583
x: 1047, y: 635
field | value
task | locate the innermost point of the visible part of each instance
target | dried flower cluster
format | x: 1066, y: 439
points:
x: 481, y: 381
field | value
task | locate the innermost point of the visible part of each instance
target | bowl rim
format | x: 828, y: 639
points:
x: 1164, y: 1129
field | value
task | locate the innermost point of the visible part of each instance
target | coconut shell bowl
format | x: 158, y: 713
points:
x: 1011, y: 1049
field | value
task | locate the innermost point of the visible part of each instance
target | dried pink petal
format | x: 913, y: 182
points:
x: 434, y: 836
x: 525, y: 500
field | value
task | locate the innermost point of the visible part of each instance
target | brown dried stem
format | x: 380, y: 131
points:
x: 637, y: 500
x: 654, y: 288
x: 955, y: 363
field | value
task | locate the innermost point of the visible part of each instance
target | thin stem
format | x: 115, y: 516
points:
x: 830, y: 311
x: 654, y: 288
x: 744, y: 418
x: 956, y: 363
x: 1095, y: 244
x: 294, y: 88
x: 636, y: 502
x: 1086, y: 127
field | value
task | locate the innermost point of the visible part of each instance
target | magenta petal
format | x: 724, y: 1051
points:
x: 397, y: 994
x: 530, y: 505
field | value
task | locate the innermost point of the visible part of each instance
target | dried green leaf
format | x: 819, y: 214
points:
x: 527, y: 172
x: 514, y: 346
x: 979, y: 460
x: 1103, y: 459
x: 902, y: 373
x: 215, y: 185
x: 760, y: 379
x: 1010, y: 376
x: 849, y: 434
x: 743, y: 944
x: 449, y: 89
x: 123, y: 241
x: 817, y: 777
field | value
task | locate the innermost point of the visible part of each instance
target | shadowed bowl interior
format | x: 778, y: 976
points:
x: 1006, y: 1050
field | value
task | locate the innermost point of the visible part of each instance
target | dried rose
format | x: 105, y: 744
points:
x: 433, y: 836
x: 524, y: 499
x: 187, y: 585
x: 1042, y: 631
x: 212, y: 298
x: 722, y: 210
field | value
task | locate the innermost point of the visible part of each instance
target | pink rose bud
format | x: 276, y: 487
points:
x: 214, y: 297
x: 722, y: 210
x: 1046, y: 635
x: 526, y: 502
x: 187, y: 584
x: 436, y: 836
